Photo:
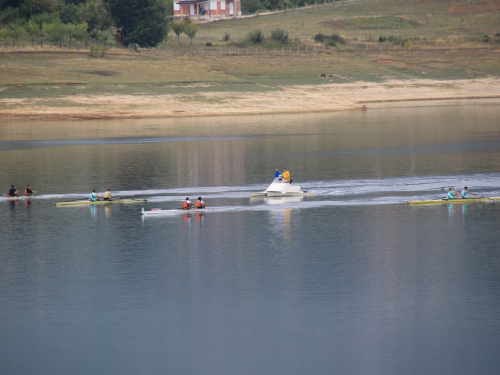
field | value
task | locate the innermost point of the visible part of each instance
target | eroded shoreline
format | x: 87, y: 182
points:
x: 287, y: 99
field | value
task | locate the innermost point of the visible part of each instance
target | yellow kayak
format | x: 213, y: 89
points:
x: 456, y: 201
x: 87, y: 202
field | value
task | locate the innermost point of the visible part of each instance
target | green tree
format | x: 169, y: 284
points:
x: 96, y: 16
x: 29, y: 8
x: 16, y: 31
x: 56, y: 31
x: 69, y: 13
x: 141, y: 21
x: 190, y: 29
x: 4, y: 33
x: 33, y: 29
x: 178, y: 28
x: 77, y: 31
x: 46, y: 18
x: 250, y: 6
x: 9, y: 15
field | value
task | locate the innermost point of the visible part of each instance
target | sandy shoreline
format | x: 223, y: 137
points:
x: 289, y: 99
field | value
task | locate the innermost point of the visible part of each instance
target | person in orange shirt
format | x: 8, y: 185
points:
x: 28, y: 192
x: 199, y: 203
x: 186, y: 205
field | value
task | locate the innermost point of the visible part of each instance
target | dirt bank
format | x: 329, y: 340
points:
x: 289, y: 99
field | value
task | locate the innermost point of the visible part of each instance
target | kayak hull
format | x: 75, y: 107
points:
x: 456, y: 201
x: 90, y: 203
x: 160, y: 212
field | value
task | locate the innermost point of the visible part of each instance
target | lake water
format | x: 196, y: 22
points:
x: 351, y: 281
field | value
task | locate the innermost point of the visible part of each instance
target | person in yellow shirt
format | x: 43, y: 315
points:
x: 286, y: 176
x: 108, y: 196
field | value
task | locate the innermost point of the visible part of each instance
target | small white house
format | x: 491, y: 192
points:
x: 209, y: 8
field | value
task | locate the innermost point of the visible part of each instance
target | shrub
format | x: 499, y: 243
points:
x: 226, y: 37
x: 320, y: 38
x: 255, y: 37
x: 337, y: 39
x: 280, y: 35
x: 330, y: 40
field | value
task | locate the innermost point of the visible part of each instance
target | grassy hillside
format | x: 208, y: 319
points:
x: 423, y: 39
x: 367, y: 20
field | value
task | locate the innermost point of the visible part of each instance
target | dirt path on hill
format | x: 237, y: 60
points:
x: 289, y: 99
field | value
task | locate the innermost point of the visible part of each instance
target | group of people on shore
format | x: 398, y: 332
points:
x: 28, y: 192
x: 283, y: 176
x: 464, y: 194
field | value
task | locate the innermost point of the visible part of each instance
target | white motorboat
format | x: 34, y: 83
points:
x: 280, y: 188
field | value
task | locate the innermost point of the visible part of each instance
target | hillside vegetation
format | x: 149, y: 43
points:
x: 344, y: 42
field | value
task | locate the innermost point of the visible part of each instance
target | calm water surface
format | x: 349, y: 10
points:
x: 352, y: 281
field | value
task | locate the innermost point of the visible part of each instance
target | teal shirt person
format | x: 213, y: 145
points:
x: 451, y: 194
x: 465, y: 193
x: 93, y: 196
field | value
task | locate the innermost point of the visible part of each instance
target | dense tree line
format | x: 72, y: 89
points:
x: 141, y: 22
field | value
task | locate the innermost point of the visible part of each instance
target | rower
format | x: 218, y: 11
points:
x: 13, y: 192
x: 451, y: 194
x: 94, y: 197
x: 199, y: 203
x: 108, y: 196
x: 28, y: 192
x: 186, y: 205
x: 466, y: 192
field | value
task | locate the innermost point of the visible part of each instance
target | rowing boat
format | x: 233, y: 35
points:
x: 280, y: 188
x: 90, y: 203
x: 159, y: 211
x: 456, y: 201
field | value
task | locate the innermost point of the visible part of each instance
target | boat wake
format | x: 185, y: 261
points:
x: 328, y: 192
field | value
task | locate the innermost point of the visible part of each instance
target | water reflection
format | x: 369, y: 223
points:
x: 275, y: 285
x: 379, y: 143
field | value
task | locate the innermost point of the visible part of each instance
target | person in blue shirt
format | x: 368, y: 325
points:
x: 94, y: 197
x: 277, y: 173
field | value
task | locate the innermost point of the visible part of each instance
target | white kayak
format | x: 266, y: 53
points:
x: 159, y: 211
x: 280, y: 188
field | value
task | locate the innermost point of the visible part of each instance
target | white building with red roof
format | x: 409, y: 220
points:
x: 207, y: 8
